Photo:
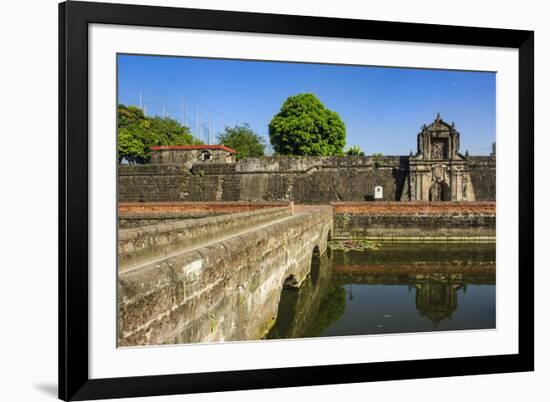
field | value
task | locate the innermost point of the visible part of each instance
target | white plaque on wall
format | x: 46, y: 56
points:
x: 378, y: 193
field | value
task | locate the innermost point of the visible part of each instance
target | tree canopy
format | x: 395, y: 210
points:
x: 304, y: 126
x: 137, y: 133
x: 243, y: 140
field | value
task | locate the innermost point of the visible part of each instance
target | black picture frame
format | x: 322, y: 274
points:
x: 74, y: 18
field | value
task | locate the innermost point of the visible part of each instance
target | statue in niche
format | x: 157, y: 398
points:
x: 464, y: 188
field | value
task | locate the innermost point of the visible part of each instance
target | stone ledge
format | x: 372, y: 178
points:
x: 195, y: 206
x: 139, y: 245
x: 415, y: 208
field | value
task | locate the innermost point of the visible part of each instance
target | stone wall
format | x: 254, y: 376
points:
x: 130, y: 220
x: 138, y: 214
x: 314, y: 180
x: 198, y: 207
x: 419, y: 261
x: 483, y: 175
x: 415, y: 220
x: 188, y: 155
x: 153, y: 182
x: 302, y: 179
x: 142, y: 244
x: 229, y: 290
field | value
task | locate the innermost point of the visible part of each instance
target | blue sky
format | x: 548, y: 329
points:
x: 382, y: 108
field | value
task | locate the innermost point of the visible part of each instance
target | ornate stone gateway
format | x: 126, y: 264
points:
x: 438, y: 172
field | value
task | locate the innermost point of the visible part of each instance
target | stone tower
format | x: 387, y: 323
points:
x: 438, y: 172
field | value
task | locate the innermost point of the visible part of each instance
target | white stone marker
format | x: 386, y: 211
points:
x: 378, y: 193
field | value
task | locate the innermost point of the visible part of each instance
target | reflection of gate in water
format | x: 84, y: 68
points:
x: 437, y: 301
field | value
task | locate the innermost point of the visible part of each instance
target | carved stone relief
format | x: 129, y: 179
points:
x: 438, y: 149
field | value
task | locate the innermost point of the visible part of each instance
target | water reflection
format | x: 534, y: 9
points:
x: 436, y: 301
x: 398, y: 288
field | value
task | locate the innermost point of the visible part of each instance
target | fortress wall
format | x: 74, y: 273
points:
x: 300, y: 164
x: 415, y: 220
x: 348, y: 184
x: 311, y: 179
x: 302, y: 179
x: 483, y: 175
x: 140, y: 183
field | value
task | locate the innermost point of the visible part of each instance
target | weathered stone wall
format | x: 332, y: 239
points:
x: 128, y: 221
x: 138, y: 221
x: 152, y: 182
x: 304, y: 180
x: 188, y: 155
x: 420, y: 261
x: 483, y: 175
x: 302, y: 164
x: 420, y: 220
x: 229, y: 290
x: 142, y: 244
x: 138, y: 214
x: 314, y: 180
x: 198, y: 207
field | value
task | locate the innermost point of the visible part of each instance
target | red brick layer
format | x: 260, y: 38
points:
x: 173, y: 147
x: 406, y: 208
x: 210, y: 206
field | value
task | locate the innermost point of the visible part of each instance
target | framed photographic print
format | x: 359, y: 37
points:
x: 257, y: 200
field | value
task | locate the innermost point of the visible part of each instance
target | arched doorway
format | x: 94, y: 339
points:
x: 440, y: 191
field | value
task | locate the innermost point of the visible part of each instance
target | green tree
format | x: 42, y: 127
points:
x: 133, y: 134
x: 137, y: 133
x: 243, y: 140
x: 304, y: 126
x: 354, y: 150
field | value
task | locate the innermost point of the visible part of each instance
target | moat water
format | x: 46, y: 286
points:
x: 395, y: 288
